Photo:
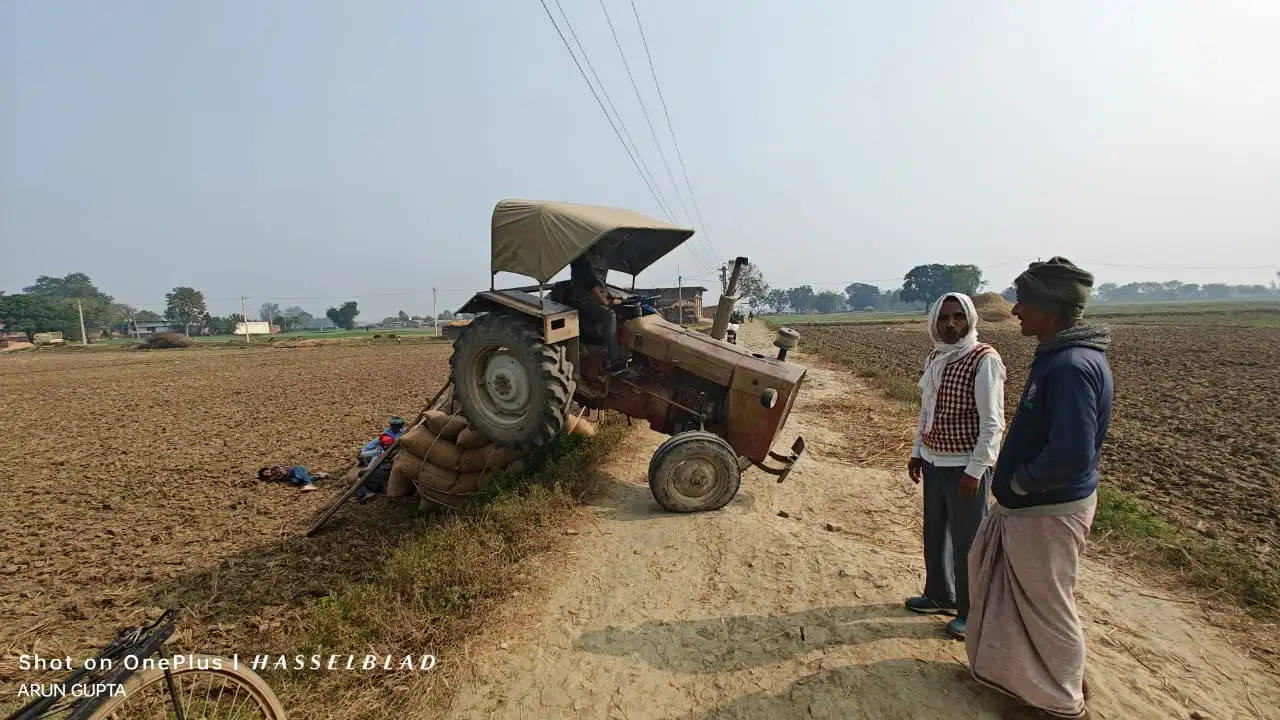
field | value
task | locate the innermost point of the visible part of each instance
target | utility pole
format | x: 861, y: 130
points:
x: 245, y: 318
x: 724, y: 284
x: 435, y: 314
x: 84, y: 339
x: 679, y: 297
x: 727, y: 299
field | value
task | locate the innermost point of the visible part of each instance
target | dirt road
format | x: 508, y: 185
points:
x: 744, y: 613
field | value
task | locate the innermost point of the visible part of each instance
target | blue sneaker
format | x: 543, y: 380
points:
x: 956, y: 628
x: 922, y: 604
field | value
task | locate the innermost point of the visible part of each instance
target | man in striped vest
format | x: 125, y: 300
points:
x: 956, y: 444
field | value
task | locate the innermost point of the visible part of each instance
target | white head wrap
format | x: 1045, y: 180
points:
x: 944, y: 354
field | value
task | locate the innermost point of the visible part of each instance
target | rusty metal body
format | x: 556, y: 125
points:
x: 686, y: 380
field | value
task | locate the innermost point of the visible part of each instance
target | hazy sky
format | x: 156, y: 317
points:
x: 326, y: 150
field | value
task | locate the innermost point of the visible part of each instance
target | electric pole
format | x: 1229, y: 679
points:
x: 84, y: 339
x: 245, y: 318
x: 435, y: 315
x: 679, y: 297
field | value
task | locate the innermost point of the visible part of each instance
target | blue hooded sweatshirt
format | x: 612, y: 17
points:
x: 1051, y: 453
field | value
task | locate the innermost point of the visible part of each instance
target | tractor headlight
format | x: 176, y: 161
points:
x: 769, y: 398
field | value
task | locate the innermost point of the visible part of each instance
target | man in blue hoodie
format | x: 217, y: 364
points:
x: 1024, y: 634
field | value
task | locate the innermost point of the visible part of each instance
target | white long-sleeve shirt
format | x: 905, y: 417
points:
x: 988, y: 394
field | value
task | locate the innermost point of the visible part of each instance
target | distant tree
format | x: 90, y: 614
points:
x: 147, y: 316
x: 344, y: 316
x: 294, y: 317
x: 1011, y: 293
x: 1217, y: 291
x: 184, y: 306
x: 269, y: 311
x: 222, y: 325
x: 927, y: 283
x: 30, y: 313
x: 776, y: 299
x: 861, y: 295
x: 800, y: 299
x: 752, y: 287
x: 446, y: 315
x: 403, y: 316
x: 828, y: 301
x: 77, y: 286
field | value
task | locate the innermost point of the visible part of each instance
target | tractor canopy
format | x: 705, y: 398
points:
x: 539, y: 239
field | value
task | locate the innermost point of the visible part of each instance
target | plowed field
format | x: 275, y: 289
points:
x: 129, y: 484
x: 1197, y: 415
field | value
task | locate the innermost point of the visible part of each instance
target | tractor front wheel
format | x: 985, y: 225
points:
x: 513, y: 387
x: 694, y: 471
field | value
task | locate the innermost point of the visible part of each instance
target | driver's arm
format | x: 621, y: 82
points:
x: 599, y: 294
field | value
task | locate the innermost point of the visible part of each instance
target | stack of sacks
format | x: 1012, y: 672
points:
x: 446, y: 460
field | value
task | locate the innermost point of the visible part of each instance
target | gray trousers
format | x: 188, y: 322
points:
x: 950, y: 524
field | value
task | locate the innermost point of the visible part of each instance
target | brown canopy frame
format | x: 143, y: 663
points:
x: 539, y: 239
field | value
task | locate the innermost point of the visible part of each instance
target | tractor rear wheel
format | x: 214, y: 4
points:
x: 694, y: 471
x: 513, y: 387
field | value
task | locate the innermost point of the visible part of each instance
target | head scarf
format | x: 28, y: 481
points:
x: 944, y: 354
x: 1056, y: 285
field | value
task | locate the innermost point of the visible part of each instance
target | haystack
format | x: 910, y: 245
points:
x: 992, y: 307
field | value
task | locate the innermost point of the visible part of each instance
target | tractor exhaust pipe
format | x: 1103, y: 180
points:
x: 727, y: 299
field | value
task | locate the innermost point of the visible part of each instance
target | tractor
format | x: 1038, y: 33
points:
x: 521, y: 364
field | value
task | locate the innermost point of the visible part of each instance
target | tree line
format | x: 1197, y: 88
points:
x: 53, y: 304
x: 925, y: 283
x: 920, y: 286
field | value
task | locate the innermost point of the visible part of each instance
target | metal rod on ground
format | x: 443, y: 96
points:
x: 373, y: 465
x: 721, y: 324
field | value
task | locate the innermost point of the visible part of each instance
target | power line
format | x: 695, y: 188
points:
x: 596, y: 95
x: 609, y: 100
x: 706, y: 236
x: 653, y: 133
x: 644, y: 110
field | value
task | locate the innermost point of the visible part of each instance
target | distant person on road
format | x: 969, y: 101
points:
x: 956, y: 443
x: 1025, y: 637
x: 296, y: 475
x: 589, y: 294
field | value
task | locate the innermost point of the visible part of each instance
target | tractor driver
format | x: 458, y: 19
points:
x: 589, y: 294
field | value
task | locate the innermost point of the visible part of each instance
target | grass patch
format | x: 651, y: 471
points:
x: 1125, y: 522
x: 900, y: 388
x: 431, y: 590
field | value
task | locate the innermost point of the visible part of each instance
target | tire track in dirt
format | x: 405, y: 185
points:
x: 743, y: 613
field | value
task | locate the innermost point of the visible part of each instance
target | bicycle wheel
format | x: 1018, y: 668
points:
x: 225, y: 693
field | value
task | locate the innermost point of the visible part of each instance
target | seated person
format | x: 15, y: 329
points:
x: 589, y: 294
x: 376, y: 446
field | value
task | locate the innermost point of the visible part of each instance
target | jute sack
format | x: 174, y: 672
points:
x: 435, y: 477
x: 417, y: 440
x: 403, y: 470
x: 440, y: 451
x: 580, y: 426
x: 471, y: 439
x: 446, y: 499
x: 446, y: 427
x: 468, y: 483
x: 489, y: 457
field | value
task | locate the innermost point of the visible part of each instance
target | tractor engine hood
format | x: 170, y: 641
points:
x: 760, y: 390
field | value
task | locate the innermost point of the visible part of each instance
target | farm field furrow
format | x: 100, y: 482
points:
x: 1195, y: 432
x: 130, y: 483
